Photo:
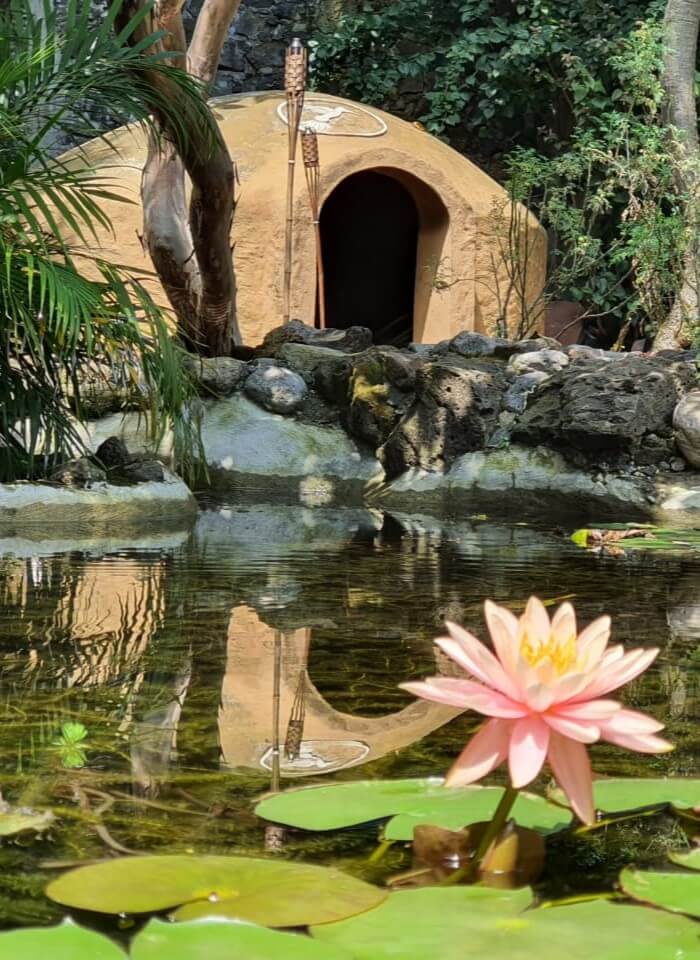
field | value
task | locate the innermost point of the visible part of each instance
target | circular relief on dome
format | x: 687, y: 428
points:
x: 334, y: 119
x: 318, y: 756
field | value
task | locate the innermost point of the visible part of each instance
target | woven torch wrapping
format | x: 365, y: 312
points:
x: 309, y: 148
x: 295, y: 72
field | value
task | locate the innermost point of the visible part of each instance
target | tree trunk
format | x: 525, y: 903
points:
x: 191, y: 249
x: 682, y: 21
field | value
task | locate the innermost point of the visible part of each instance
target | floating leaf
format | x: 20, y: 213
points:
x: 471, y: 923
x: 618, y: 794
x: 217, y: 940
x: 417, y: 801
x: 687, y: 858
x: 19, y: 820
x: 65, y: 942
x: 270, y: 892
x: 674, y: 890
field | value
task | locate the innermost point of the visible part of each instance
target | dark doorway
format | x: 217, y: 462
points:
x: 369, y: 235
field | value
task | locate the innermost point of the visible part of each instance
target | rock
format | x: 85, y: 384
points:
x: 653, y: 449
x: 596, y: 405
x: 216, y: 376
x: 375, y: 404
x: 686, y: 423
x: 544, y: 361
x: 677, y: 465
x: 240, y: 439
x: 79, y: 473
x: 509, y: 347
x: 350, y: 340
x: 515, y: 397
x: 308, y: 360
x: 456, y: 407
x: 112, y: 453
x: 144, y: 471
x: 470, y: 344
x: 275, y: 388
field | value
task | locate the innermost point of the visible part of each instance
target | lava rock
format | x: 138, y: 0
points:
x: 275, y: 388
x: 144, y: 471
x: 112, y: 453
x: 686, y: 423
x: 216, y: 376
x: 544, y: 361
x: 350, y: 340
x: 79, y: 473
x: 516, y: 396
x: 470, y: 344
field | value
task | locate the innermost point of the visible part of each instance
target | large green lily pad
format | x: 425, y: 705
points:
x: 216, y: 940
x: 270, y: 892
x: 65, y: 942
x: 675, y: 890
x: 471, y: 923
x: 687, y: 858
x: 618, y: 794
x: 416, y: 801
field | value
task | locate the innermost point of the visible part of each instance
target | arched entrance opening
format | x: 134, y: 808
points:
x: 380, y: 230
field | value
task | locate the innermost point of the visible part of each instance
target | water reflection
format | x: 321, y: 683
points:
x: 272, y: 640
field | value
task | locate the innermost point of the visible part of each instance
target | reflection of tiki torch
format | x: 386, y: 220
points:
x: 312, y: 168
x: 295, y: 85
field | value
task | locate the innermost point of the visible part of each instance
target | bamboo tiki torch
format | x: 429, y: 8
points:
x: 312, y: 168
x: 295, y: 85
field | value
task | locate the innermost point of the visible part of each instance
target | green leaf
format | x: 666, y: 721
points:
x: 618, y: 794
x: 270, y: 892
x: 73, y: 732
x: 580, y: 537
x: 216, y: 940
x: 473, y: 923
x: 410, y: 802
x: 687, y: 858
x: 17, y: 821
x: 677, y: 890
x: 66, y: 942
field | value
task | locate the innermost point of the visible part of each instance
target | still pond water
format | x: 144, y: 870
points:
x: 169, y: 653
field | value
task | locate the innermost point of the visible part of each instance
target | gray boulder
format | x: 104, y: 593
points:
x: 275, y: 388
x: 310, y: 361
x: 595, y: 404
x: 516, y: 396
x: 470, y: 344
x: 216, y: 376
x: 456, y: 408
x: 112, y: 453
x: 144, y: 471
x: 543, y: 361
x: 351, y: 340
x: 78, y: 473
x: 686, y: 424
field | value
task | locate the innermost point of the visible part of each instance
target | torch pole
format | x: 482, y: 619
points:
x: 312, y: 169
x: 295, y: 87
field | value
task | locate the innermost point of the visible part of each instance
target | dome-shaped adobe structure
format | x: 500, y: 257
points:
x: 412, y: 246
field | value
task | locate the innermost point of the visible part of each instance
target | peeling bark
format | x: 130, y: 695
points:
x: 682, y: 23
x: 191, y: 248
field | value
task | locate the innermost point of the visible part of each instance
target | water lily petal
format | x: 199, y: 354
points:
x: 611, y: 676
x: 503, y: 627
x: 592, y: 642
x: 572, y: 770
x: 564, y: 623
x: 528, y: 749
x: 539, y: 697
x: 476, y: 659
x: 630, y: 721
x: 641, y: 742
x: 580, y: 730
x: 465, y: 694
x: 588, y: 710
x: 535, y: 621
x: 485, y: 751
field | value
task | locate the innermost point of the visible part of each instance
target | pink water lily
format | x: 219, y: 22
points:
x: 544, y: 692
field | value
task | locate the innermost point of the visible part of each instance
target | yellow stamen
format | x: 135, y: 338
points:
x: 562, y: 654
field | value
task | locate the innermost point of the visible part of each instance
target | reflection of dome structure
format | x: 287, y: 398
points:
x: 412, y: 232
x: 327, y: 739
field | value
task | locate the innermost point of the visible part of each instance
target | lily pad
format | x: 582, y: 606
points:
x: 470, y: 923
x: 618, y: 794
x: 65, y: 942
x: 410, y: 802
x: 217, y: 940
x: 687, y: 858
x: 675, y: 890
x: 270, y: 892
x: 18, y: 821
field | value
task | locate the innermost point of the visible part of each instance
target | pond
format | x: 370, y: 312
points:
x: 185, y: 657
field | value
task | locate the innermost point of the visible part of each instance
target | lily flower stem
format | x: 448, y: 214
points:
x: 470, y: 871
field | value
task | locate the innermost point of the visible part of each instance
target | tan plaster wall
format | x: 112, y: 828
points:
x: 459, y: 275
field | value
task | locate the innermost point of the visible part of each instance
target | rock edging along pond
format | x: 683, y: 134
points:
x: 325, y: 417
